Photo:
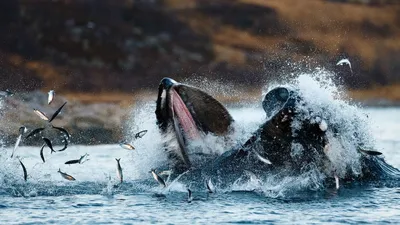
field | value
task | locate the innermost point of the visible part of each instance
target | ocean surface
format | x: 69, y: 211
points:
x: 96, y: 197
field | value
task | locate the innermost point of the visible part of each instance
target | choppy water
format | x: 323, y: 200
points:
x: 93, y: 198
x: 96, y: 196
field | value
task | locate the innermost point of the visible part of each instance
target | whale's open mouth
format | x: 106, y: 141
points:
x: 189, y: 113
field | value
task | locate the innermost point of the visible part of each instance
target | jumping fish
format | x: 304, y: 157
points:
x: 158, y: 178
x: 24, y: 169
x: 343, y: 62
x: 80, y: 160
x: 65, y: 145
x: 337, y: 182
x: 262, y: 159
x: 41, y: 114
x: 64, y: 131
x: 66, y: 176
x: 34, y: 132
x: 22, y: 131
x: 48, y: 143
x: 190, y: 197
x: 210, y: 186
x: 16, y: 144
x: 74, y: 161
x: 41, y: 153
x: 50, y: 97
x: 57, y: 112
x: 119, y: 171
x: 140, y: 134
x: 126, y: 146
x: 368, y: 152
x: 6, y: 93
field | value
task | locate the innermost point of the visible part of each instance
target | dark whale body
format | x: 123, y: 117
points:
x: 270, y: 147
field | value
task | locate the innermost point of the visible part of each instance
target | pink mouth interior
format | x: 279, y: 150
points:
x: 184, y: 117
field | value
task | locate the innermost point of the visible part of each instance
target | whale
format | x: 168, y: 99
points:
x: 287, y: 142
x: 189, y: 114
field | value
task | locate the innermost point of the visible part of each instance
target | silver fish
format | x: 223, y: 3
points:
x: 140, y: 134
x: 369, y: 152
x: 50, y: 97
x: 81, y: 159
x: 22, y: 131
x: 57, y: 112
x: 24, y: 169
x: 41, y: 153
x: 76, y: 161
x: 119, y: 171
x: 66, y: 176
x: 262, y: 159
x: 158, y: 178
x: 210, y: 186
x: 190, y: 197
x: 16, y: 145
x: 126, y: 146
x: 41, y: 114
x: 48, y: 143
x: 343, y: 62
x: 337, y: 182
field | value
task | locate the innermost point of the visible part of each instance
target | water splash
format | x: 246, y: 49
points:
x: 215, y: 87
x: 348, y: 127
x: 324, y: 99
x: 149, y: 151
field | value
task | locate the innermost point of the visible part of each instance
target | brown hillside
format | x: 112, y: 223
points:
x: 123, y: 45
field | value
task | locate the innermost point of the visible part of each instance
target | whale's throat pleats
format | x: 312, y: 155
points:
x: 187, y: 125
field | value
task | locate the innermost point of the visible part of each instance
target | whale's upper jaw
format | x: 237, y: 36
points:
x: 163, y: 111
x: 189, y: 113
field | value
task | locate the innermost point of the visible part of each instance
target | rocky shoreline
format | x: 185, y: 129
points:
x: 88, y: 123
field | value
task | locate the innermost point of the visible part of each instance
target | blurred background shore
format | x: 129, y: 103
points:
x: 102, y: 56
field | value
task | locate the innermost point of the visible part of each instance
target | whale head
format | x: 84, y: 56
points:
x: 188, y: 114
x: 283, y: 132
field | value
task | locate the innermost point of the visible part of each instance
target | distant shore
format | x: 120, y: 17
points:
x: 378, y: 96
x: 99, y: 118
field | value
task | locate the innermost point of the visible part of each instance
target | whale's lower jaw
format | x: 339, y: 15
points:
x: 178, y: 124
